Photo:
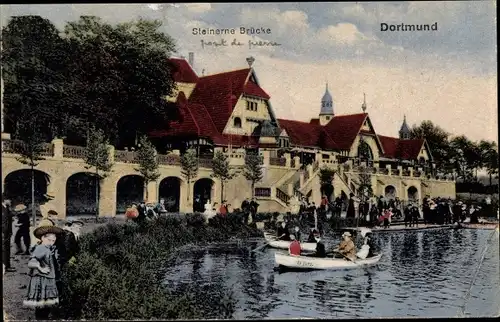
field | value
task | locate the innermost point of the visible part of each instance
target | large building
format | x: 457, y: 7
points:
x: 231, y: 112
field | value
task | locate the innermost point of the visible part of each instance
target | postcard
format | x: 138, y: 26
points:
x: 250, y: 160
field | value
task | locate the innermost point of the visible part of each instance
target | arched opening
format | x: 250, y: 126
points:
x: 170, y: 192
x: 412, y: 193
x: 421, y: 160
x: 129, y: 189
x: 364, y: 151
x: 327, y: 190
x: 390, y: 192
x: 81, y: 194
x: 17, y: 187
x: 202, y: 192
x: 237, y: 122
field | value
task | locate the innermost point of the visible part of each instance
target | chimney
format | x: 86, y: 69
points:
x: 191, y: 59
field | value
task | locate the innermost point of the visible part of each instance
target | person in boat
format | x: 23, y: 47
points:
x: 283, y: 233
x: 294, y: 248
x: 473, y: 213
x: 346, y: 248
x: 297, y: 233
x: 320, y: 248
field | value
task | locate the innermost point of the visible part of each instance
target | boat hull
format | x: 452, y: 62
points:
x: 283, y: 244
x: 315, y: 263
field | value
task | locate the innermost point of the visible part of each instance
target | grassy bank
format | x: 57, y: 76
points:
x: 118, y: 271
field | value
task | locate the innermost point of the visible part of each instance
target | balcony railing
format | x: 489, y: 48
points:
x: 406, y: 173
x: 263, y: 192
x: 74, y: 152
x: 170, y: 159
x: 281, y: 162
x: 16, y: 146
x: 205, y: 163
x: 126, y: 156
x: 282, y: 196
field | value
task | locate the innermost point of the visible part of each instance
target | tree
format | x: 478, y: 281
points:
x: 120, y: 76
x: 97, y: 159
x: 253, y: 169
x: 222, y: 171
x: 189, y: 167
x: 438, y: 140
x: 30, y: 152
x: 489, y: 157
x: 326, y: 176
x: 148, y: 163
x: 33, y: 65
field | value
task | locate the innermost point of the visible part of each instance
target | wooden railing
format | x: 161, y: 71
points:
x: 282, y: 196
x: 169, y: 159
x: 74, y: 152
x: 281, y: 162
x: 126, y: 156
x: 16, y: 146
x: 262, y: 192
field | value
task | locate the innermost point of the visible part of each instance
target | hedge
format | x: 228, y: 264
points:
x: 118, y: 271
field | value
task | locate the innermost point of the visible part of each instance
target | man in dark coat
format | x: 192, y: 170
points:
x: 254, y: 206
x: 426, y: 209
x: 6, y: 233
x: 351, y: 212
x: 245, y: 207
x: 23, y: 230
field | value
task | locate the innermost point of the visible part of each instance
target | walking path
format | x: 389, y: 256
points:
x: 15, y: 283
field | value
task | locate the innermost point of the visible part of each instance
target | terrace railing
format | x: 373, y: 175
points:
x: 262, y: 192
x: 281, y: 162
x: 282, y: 196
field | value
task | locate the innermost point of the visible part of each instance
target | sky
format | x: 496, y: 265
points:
x: 448, y: 76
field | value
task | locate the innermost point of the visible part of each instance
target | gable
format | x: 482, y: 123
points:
x: 283, y: 133
x: 344, y: 129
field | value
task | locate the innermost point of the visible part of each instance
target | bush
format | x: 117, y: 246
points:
x: 118, y: 271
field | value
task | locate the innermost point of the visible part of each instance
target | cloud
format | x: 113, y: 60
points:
x: 198, y: 7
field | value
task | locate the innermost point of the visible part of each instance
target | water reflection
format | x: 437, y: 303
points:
x: 423, y: 273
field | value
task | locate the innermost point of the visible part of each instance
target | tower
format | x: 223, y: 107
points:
x: 326, y: 113
x: 404, y: 132
x: 363, y: 106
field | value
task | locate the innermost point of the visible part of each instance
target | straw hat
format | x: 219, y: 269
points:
x: 348, y: 234
x: 46, y: 226
x: 20, y: 208
x: 71, y: 222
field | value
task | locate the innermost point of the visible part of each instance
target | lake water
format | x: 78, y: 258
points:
x: 422, y: 274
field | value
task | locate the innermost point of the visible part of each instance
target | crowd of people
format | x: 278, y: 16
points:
x: 50, y: 248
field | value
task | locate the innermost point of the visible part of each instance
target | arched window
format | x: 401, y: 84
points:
x: 237, y: 122
x: 422, y: 160
x: 364, y: 151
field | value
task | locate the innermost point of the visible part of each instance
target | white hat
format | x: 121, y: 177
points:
x: 348, y: 234
x: 292, y: 237
x: 297, y: 228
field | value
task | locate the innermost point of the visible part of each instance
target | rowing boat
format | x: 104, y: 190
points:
x: 308, y: 263
x: 274, y: 242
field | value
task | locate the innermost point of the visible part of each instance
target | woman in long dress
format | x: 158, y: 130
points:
x: 42, y: 289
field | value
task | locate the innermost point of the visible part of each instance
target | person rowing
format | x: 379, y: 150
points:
x: 346, y: 248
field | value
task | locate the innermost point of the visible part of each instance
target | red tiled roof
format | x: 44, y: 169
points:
x: 219, y: 94
x: 255, y: 90
x: 183, y: 72
x: 395, y: 148
x: 344, y: 129
x: 307, y: 134
x: 314, y: 121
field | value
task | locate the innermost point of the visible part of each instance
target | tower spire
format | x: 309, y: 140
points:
x: 363, y: 106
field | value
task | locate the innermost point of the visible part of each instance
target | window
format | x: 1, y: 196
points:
x: 422, y: 160
x: 251, y: 106
x: 325, y: 156
x: 327, y: 118
x: 237, y: 122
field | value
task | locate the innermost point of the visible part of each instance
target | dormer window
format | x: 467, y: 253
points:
x: 327, y: 117
x: 237, y: 122
x: 251, y: 106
